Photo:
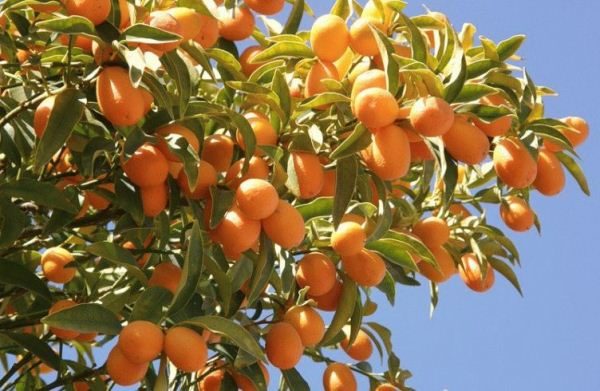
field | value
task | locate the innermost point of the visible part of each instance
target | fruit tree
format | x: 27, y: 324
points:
x: 208, y: 200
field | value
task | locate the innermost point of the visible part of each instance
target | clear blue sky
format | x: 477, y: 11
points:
x: 547, y: 340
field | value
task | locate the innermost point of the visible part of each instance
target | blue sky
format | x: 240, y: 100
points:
x: 500, y: 341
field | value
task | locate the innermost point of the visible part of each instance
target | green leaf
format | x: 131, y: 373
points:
x: 221, y: 204
x: 66, y: 113
x: 294, y: 380
x: 341, y: 8
x: 228, y: 61
x: 319, y: 207
x: 393, y: 251
x: 151, y: 305
x: 233, y: 331
x: 343, y: 312
x: 42, y: 193
x: 192, y: 269
x: 357, y: 141
x: 284, y: 49
x: 486, y: 113
x: 224, y: 284
x: 323, y: 99
x: 388, y: 287
x: 68, y: 25
x: 510, y: 46
x: 282, y: 90
x: 386, y: 50
x: 263, y: 269
x: 412, y: 245
x: 489, y: 49
x: 118, y: 256
x: 12, y: 273
x: 473, y: 92
x: 418, y: 45
x: 12, y: 222
x: 478, y: 68
x: 346, y: 175
x: 34, y: 345
x: 295, y: 18
x: 453, y: 89
x: 85, y: 318
x: 179, y: 72
x: 575, y: 171
x: 507, y: 272
x: 143, y: 33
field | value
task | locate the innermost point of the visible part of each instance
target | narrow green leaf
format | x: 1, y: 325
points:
x: 319, y: 207
x: 393, y: 251
x: 263, y: 268
x: 346, y: 175
x: 344, y: 310
x: 68, y: 25
x: 152, y: 305
x: 42, y: 193
x: 357, y: 141
x: 222, y: 202
x: 510, y: 46
x: 143, y: 33
x: 85, y: 318
x: 295, y: 18
x: 575, y: 171
x: 37, y: 347
x: 507, y: 272
x: 178, y: 70
x: 192, y: 269
x: 12, y: 222
x: 284, y: 49
x: 294, y: 380
x: 118, y: 256
x: 12, y: 273
x: 341, y: 8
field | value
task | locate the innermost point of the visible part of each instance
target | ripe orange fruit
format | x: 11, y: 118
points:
x: 369, y: 79
x: 180, y: 130
x: 329, y: 184
x: 165, y: 21
x: 42, y: 115
x: 362, y: 38
x: 97, y: 200
x: 362, y: 347
x: 207, y: 177
x: 186, y: 349
x: 285, y: 226
x: 122, y: 371
x: 330, y: 300
x: 329, y: 37
x: 338, y: 377
x: 308, y: 323
x: 120, y: 102
x: 389, y: 155
x: 514, y: 164
x: 102, y: 52
x: 263, y: 131
x: 63, y: 334
x: 96, y: 11
x: 550, y: 179
x: 166, y: 275
x: 366, y: 268
x: 265, y: 7
x: 283, y: 346
x: 212, y: 381
x: 257, y: 168
x: 577, y: 132
x: 420, y: 152
x: 386, y: 387
x: 516, y: 214
x: 316, y: 271
x: 237, y: 232
x: 319, y: 71
x: 209, y: 32
x: 237, y: 24
x: 446, y: 265
x: 246, y: 57
x: 147, y: 167
x: 497, y: 127
x: 459, y: 210
x: 348, y: 239
x: 309, y: 172
x: 376, y: 108
x: 53, y: 263
x: 217, y: 150
x: 245, y: 384
x: 472, y: 275
x: 466, y: 142
x: 125, y: 19
x: 189, y: 21
x: 431, y: 116
x: 141, y: 341
x: 80, y: 386
x: 433, y: 231
x: 257, y: 198
x: 154, y: 199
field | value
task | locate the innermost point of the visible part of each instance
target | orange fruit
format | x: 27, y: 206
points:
x: 386, y: 387
x: 96, y: 11
x: 309, y: 172
x: 348, y: 239
x: 246, y: 57
x: 446, y: 265
x: 389, y: 155
x: 319, y: 71
x: 257, y: 168
x: 63, y: 334
x: 362, y: 38
x: 493, y: 128
x: 97, y: 200
x: 80, y: 41
x: 165, y: 21
x: 178, y: 130
x: 237, y: 24
x: 166, y: 275
x: 308, y: 323
x: 189, y: 21
x: 263, y: 131
x: 316, y: 271
x: 245, y: 384
x: 285, y: 226
x: 329, y: 184
x: 53, y: 263
x: 154, y: 199
x: 366, y: 268
x: 141, y: 341
x: 431, y: 116
x: 147, y: 167
x: 472, y: 275
x: 514, y: 164
x: 329, y: 37
x: 362, y: 347
x: 433, y: 231
x: 207, y: 177
x: 577, y: 132
x: 102, y: 52
x: 517, y: 214
x: 122, y: 371
x: 209, y: 32
x: 237, y: 232
x: 329, y: 301
x: 376, y: 108
x: 369, y: 79
x: 80, y: 386
x: 186, y: 349
x: 459, y: 210
x: 217, y: 150
x: 265, y: 7
x: 142, y: 259
x: 420, y: 152
x: 148, y: 100
x: 338, y: 377
x: 257, y: 198
x: 466, y: 142
x: 550, y: 178
x: 212, y: 381
x: 283, y: 346
x: 120, y: 102
x: 125, y: 18
x: 41, y: 115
